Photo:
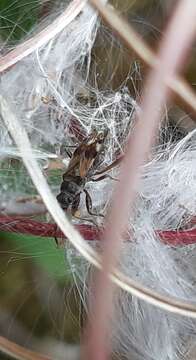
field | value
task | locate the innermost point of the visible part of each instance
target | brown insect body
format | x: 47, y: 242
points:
x: 81, y: 169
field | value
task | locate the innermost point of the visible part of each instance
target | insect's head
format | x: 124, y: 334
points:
x: 102, y: 135
x: 100, y: 139
x: 97, y: 138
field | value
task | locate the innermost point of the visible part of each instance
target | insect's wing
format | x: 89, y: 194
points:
x: 73, y: 164
x: 74, y: 161
x: 84, y: 156
x: 88, y: 156
x: 111, y: 166
x: 85, y: 164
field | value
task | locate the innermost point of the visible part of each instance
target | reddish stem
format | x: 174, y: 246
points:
x: 26, y: 226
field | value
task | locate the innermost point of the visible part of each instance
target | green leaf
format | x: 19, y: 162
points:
x: 40, y: 250
x: 17, y: 18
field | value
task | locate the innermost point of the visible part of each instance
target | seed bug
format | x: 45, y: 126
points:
x: 82, y: 169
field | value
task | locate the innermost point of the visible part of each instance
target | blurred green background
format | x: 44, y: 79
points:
x: 38, y: 298
x: 39, y: 303
x: 17, y: 19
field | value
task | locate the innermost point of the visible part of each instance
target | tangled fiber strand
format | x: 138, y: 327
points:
x: 49, y: 72
x: 117, y: 277
x: 134, y: 42
x: 42, y: 36
x: 139, y: 145
x: 19, y: 352
x: 48, y: 82
x: 140, y: 332
x: 51, y: 94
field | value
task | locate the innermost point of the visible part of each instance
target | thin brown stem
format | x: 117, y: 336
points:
x: 18, y: 352
x: 156, y: 93
x: 133, y: 41
x: 40, y: 39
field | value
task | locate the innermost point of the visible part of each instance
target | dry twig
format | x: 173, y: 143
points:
x: 133, y: 41
x: 40, y: 39
x: 21, y: 225
x: 19, y: 352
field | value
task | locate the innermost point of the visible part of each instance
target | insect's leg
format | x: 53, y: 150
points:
x: 55, y: 234
x: 88, y: 220
x: 105, y: 176
x: 66, y: 149
x: 74, y: 209
x: 59, y: 242
x: 75, y: 204
x: 68, y: 153
x: 111, y: 166
x: 72, y: 146
x: 89, y: 204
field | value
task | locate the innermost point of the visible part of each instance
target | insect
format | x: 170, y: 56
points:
x: 82, y: 169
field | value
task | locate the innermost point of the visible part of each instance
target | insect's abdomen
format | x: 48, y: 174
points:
x: 69, y: 190
x: 70, y: 187
x: 64, y: 200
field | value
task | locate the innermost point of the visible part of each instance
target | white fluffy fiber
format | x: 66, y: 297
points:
x: 165, y: 197
x: 165, y: 201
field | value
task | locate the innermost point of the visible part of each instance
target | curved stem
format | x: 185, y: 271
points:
x: 40, y: 39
